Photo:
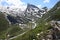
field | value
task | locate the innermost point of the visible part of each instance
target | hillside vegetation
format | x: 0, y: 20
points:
x: 6, y: 29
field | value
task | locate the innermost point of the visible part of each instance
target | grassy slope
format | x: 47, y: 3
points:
x: 5, y: 29
x: 30, y: 35
x: 3, y: 25
x: 3, y: 22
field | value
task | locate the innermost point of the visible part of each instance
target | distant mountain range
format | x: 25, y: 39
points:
x: 31, y: 13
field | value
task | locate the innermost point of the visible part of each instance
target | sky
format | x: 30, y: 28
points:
x: 23, y: 3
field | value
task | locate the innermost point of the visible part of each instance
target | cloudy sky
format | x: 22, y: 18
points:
x: 23, y: 3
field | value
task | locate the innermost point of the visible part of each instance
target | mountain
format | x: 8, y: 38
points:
x: 33, y: 12
x: 44, y: 30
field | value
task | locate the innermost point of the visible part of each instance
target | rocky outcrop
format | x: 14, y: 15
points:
x: 51, y: 34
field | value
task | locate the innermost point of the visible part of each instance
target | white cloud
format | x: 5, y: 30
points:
x: 14, y: 3
x: 46, y: 1
x: 39, y: 6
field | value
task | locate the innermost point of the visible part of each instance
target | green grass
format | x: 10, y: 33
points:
x: 30, y: 35
x: 15, y: 30
x: 3, y: 23
x: 3, y: 26
x: 56, y: 16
